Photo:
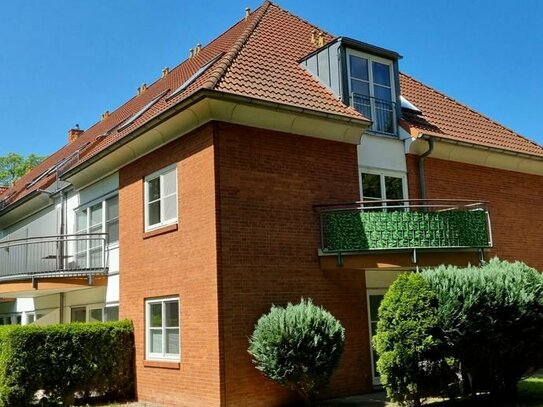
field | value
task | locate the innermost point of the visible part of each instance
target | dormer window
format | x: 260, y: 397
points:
x: 371, y: 90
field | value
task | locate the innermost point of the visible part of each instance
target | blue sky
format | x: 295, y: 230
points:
x: 64, y: 62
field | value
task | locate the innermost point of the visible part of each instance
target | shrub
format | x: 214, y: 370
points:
x: 491, y: 318
x: 66, y: 359
x: 298, y: 347
x: 408, y: 341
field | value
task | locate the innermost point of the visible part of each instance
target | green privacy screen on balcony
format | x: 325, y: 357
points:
x: 350, y: 231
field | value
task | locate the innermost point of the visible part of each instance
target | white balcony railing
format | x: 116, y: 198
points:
x: 53, y: 256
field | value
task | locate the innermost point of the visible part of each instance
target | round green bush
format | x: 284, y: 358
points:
x: 298, y: 346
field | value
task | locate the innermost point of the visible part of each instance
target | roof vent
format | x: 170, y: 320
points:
x: 73, y: 134
x: 165, y: 72
x: 105, y: 115
x: 142, y: 88
x: 247, y: 12
x: 191, y: 53
x: 197, y: 49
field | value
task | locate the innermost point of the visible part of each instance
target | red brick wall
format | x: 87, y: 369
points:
x: 181, y: 262
x: 269, y: 235
x: 515, y: 202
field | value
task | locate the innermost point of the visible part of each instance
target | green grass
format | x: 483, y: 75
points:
x: 530, y: 394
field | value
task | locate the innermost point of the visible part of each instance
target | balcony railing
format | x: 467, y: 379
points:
x: 404, y: 224
x: 53, y: 256
x: 382, y: 112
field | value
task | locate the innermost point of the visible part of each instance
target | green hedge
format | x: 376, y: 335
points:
x: 62, y: 360
x: 402, y: 229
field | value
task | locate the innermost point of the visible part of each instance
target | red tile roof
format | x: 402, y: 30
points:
x: 258, y: 57
x: 444, y: 116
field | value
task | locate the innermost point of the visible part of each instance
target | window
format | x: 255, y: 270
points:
x: 382, y: 186
x: 162, y: 329
x: 96, y: 315
x: 371, y: 89
x: 78, y: 314
x: 87, y: 314
x: 161, y: 198
x: 102, y: 217
x: 111, y: 313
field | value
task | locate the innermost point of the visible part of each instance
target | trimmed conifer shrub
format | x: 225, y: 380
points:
x: 408, y: 341
x: 298, y: 347
x: 491, y: 320
x: 450, y: 331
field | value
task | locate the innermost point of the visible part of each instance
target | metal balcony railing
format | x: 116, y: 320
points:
x: 404, y: 224
x: 380, y: 111
x: 53, y: 256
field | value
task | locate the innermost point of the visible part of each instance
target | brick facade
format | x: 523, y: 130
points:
x: 514, y: 202
x: 269, y: 235
x: 181, y: 262
x: 256, y: 189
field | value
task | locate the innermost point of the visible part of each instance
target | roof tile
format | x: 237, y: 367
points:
x: 453, y: 120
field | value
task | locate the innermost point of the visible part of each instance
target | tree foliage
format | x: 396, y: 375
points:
x: 298, y: 346
x: 13, y: 166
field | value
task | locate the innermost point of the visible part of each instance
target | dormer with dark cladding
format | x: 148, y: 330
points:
x: 363, y: 76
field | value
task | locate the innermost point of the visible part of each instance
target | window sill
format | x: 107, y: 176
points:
x: 160, y: 231
x: 162, y: 364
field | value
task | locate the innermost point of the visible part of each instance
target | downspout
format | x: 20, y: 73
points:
x: 422, y: 178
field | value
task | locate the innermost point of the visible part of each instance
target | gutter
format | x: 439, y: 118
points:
x: 198, y: 96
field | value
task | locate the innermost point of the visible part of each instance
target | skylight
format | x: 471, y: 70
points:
x: 195, y: 76
x: 406, y: 104
x: 55, y: 167
x: 133, y: 118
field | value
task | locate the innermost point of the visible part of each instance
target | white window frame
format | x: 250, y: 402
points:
x: 373, y: 58
x: 160, y: 174
x: 382, y: 174
x: 85, y: 208
x: 161, y: 356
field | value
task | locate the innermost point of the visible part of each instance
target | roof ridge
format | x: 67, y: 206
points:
x: 228, y: 58
x: 304, y: 20
x: 473, y: 110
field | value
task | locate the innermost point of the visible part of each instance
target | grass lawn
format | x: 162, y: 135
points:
x: 530, y: 394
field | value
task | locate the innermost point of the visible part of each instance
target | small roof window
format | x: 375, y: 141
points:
x: 195, y: 76
x: 137, y: 115
x: 406, y: 104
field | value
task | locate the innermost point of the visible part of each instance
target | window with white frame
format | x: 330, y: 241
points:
x: 100, y: 217
x: 371, y: 90
x: 161, y: 198
x: 380, y: 186
x: 162, y: 328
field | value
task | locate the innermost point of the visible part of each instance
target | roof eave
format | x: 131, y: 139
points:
x: 206, y: 105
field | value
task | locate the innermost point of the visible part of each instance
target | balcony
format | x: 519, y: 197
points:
x: 396, y: 225
x: 81, y: 255
x: 380, y: 111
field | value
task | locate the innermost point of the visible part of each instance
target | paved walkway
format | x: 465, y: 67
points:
x: 377, y: 399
